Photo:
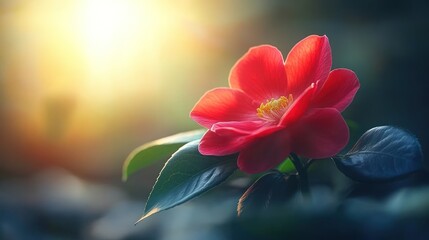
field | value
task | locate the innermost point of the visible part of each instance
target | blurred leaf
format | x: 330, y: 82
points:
x: 186, y: 175
x: 156, y: 150
x: 270, y: 190
x: 382, y: 153
x: 409, y: 202
x: 386, y: 189
x: 286, y: 166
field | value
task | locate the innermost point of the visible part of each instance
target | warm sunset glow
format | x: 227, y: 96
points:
x: 119, y: 37
x: 78, y: 70
x: 105, y: 24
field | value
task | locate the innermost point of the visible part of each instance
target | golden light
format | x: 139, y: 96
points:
x: 106, y: 23
x: 118, y: 37
x: 80, y: 68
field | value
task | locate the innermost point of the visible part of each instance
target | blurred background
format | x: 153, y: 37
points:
x: 84, y: 82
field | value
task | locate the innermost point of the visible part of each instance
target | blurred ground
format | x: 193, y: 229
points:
x: 84, y: 82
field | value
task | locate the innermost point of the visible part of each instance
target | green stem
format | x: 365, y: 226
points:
x: 308, y: 163
x: 302, y: 173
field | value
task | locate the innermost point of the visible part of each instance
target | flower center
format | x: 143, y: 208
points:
x: 274, y: 109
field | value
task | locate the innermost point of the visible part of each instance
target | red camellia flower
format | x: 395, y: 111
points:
x: 274, y: 107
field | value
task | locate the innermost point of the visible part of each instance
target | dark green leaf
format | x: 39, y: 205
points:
x: 157, y: 150
x: 382, y: 153
x: 186, y: 175
x: 270, y: 190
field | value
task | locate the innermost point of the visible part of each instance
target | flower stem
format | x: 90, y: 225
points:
x: 302, y: 173
x: 308, y: 163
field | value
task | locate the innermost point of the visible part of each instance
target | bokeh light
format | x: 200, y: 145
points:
x: 79, y: 74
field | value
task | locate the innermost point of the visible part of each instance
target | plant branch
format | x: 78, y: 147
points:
x: 308, y: 163
x: 302, y: 173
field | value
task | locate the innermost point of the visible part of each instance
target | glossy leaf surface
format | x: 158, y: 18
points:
x: 160, y: 149
x: 186, y: 175
x: 382, y: 153
x: 270, y: 190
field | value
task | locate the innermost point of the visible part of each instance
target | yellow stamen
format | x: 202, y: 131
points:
x: 274, y: 109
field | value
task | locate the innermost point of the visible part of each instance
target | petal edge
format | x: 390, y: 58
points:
x: 309, y: 60
x: 338, y: 90
x: 260, y: 73
x: 223, y: 105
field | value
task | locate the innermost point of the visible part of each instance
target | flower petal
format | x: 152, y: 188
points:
x: 338, y: 91
x: 233, y: 128
x: 321, y: 133
x: 221, y: 145
x: 299, y: 106
x: 231, y: 137
x: 223, y: 105
x: 250, y: 130
x: 308, y: 61
x: 265, y: 153
x: 260, y: 73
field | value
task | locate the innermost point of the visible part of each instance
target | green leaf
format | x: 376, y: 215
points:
x: 269, y: 191
x: 156, y: 150
x: 382, y: 153
x: 286, y: 166
x: 186, y: 175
